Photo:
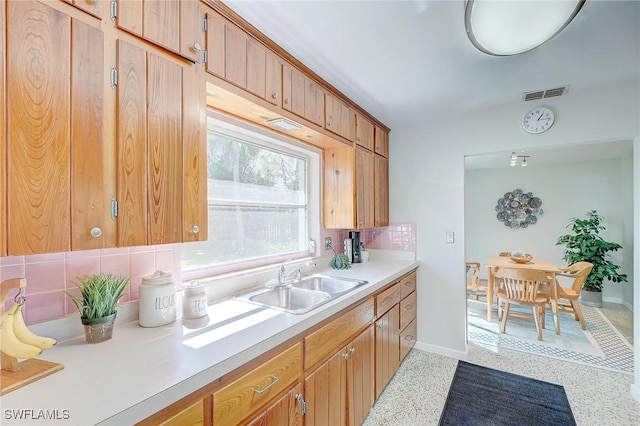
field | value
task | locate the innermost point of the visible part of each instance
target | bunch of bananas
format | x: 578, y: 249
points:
x: 16, y: 339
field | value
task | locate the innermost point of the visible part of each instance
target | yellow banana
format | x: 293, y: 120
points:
x: 9, y: 343
x: 27, y: 336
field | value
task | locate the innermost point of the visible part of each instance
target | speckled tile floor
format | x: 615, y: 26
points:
x: 620, y: 317
x: 418, y: 391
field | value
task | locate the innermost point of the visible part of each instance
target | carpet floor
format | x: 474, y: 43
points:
x: 484, y: 396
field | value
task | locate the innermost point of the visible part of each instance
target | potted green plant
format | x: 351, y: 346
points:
x: 99, y: 295
x: 586, y: 245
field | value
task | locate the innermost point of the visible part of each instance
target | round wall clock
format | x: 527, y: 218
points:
x: 538, y: 120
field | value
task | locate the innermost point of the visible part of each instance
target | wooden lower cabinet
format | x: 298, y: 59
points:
x: 244, y: 397
x: 287, y: 411
x: 387, y: 347
x: 341, y: 390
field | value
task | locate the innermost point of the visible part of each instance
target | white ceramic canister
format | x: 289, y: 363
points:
x: 194, y: 300
x: 157, y: 304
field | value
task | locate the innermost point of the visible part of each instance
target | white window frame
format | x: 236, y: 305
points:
x: 237, y: 129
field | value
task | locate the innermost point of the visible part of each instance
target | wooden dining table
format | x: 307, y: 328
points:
x: 493, y: 263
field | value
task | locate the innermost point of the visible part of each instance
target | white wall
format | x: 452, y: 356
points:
x: 567, y: 190
x: 426, y: 177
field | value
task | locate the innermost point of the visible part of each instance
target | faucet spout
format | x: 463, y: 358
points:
x: 284, y: 276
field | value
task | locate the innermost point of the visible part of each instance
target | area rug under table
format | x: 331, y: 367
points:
x: 484, y: 396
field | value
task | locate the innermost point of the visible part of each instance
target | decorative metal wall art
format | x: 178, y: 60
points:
x: 518, y: 209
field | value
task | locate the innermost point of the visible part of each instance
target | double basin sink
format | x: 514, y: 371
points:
x: 304, y: 295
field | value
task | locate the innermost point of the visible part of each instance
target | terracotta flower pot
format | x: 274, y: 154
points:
x: 98, y: 330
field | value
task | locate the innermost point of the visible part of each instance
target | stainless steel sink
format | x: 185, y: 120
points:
x: 302, y: 296
x: 288, y: 299
x: 333, y: 285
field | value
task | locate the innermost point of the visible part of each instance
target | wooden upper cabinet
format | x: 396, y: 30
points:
x: 381, y: 188
x: 364, y: 188
x: 302, y: 95
x: 150, y: 146
x: 235, y: 55
x: 55, y: 188
x: 3, y: 133
x: 381, y: 142
x: 264, y: 72
x: 339, y: 187
x: 339, y: 118
x: 364, y: 132
x: 174, y: 25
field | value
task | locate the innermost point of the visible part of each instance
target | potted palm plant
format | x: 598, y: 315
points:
x: 99, y: 295
x: 585, y: 244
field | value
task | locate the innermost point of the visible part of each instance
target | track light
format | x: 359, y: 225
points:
x: 514, y: 160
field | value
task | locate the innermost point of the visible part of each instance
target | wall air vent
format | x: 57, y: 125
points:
x: 547, y: 93
x: 284, y: 124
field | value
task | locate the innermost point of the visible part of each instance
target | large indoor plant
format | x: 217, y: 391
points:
x: 99, y: 295
x: 585, y: 244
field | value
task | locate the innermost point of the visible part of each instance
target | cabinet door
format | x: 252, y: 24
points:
x: 360, y: 377
x: 194, y: 152
x: 339, y: 187
x: 364, y: 188
x: 313, y: 102
x: 88, y: 203
x: 38, y: 124
x: 3, y: 133
x: 256, y: 68
x: 387, y: 347
x: 339, y: 117
x: 273, y: 90
x: 191, y: 31
x: 149, y: 148
x: 287, y: 411
x: 381, y: 142
x: 381, y: 188
x: 235, y: 56
x: 293, y: 90
x: 214, y: 40
x: 157, y: 21
x: 325, y: 392
x: 364, y: 132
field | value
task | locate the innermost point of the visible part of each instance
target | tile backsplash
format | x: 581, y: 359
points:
x: 49, y: 274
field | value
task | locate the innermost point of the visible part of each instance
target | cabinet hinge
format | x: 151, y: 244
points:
x: 114, y: 208
x: 205, y: 24
x: 204, y: 56
x: 114, y: 10
x: 114, y: 77
x: 303, y: 403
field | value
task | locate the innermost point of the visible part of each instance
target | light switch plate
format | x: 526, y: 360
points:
x: 449, y: 237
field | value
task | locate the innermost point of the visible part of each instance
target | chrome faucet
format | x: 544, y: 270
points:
x: 284, y: 276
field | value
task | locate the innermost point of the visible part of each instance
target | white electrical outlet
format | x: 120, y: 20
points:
x: 328, y: 244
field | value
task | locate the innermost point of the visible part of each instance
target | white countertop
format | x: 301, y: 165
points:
x: 142, y: 370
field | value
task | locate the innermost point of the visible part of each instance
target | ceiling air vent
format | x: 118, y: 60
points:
x: 547, y: 93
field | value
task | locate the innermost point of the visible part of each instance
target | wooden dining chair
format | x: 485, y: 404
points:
x: 474, y: 284
x: 526, y: 287
x: 579, y: 272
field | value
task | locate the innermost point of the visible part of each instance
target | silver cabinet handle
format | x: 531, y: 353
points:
x: 273, y: 382
x: 345, y: 356
x: 286, y: 100
x: 195, y: 229
x: 276, y: 95
x: 408, y: 337
x: 352, y: 350
x: 96, y: 232
x: 196, y: 47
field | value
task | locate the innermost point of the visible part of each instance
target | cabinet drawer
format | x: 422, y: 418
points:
x: 193, y: 415
x: 408, y: 338
x: 323, y: 342
x: 408, y: 284
x: 254, y: 390
x: 408, y: 309
x: 386, y: 299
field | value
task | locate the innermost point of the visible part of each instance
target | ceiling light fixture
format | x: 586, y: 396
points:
x: 284, y: 124
x: 514, y: 160
x: 503, y: 28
